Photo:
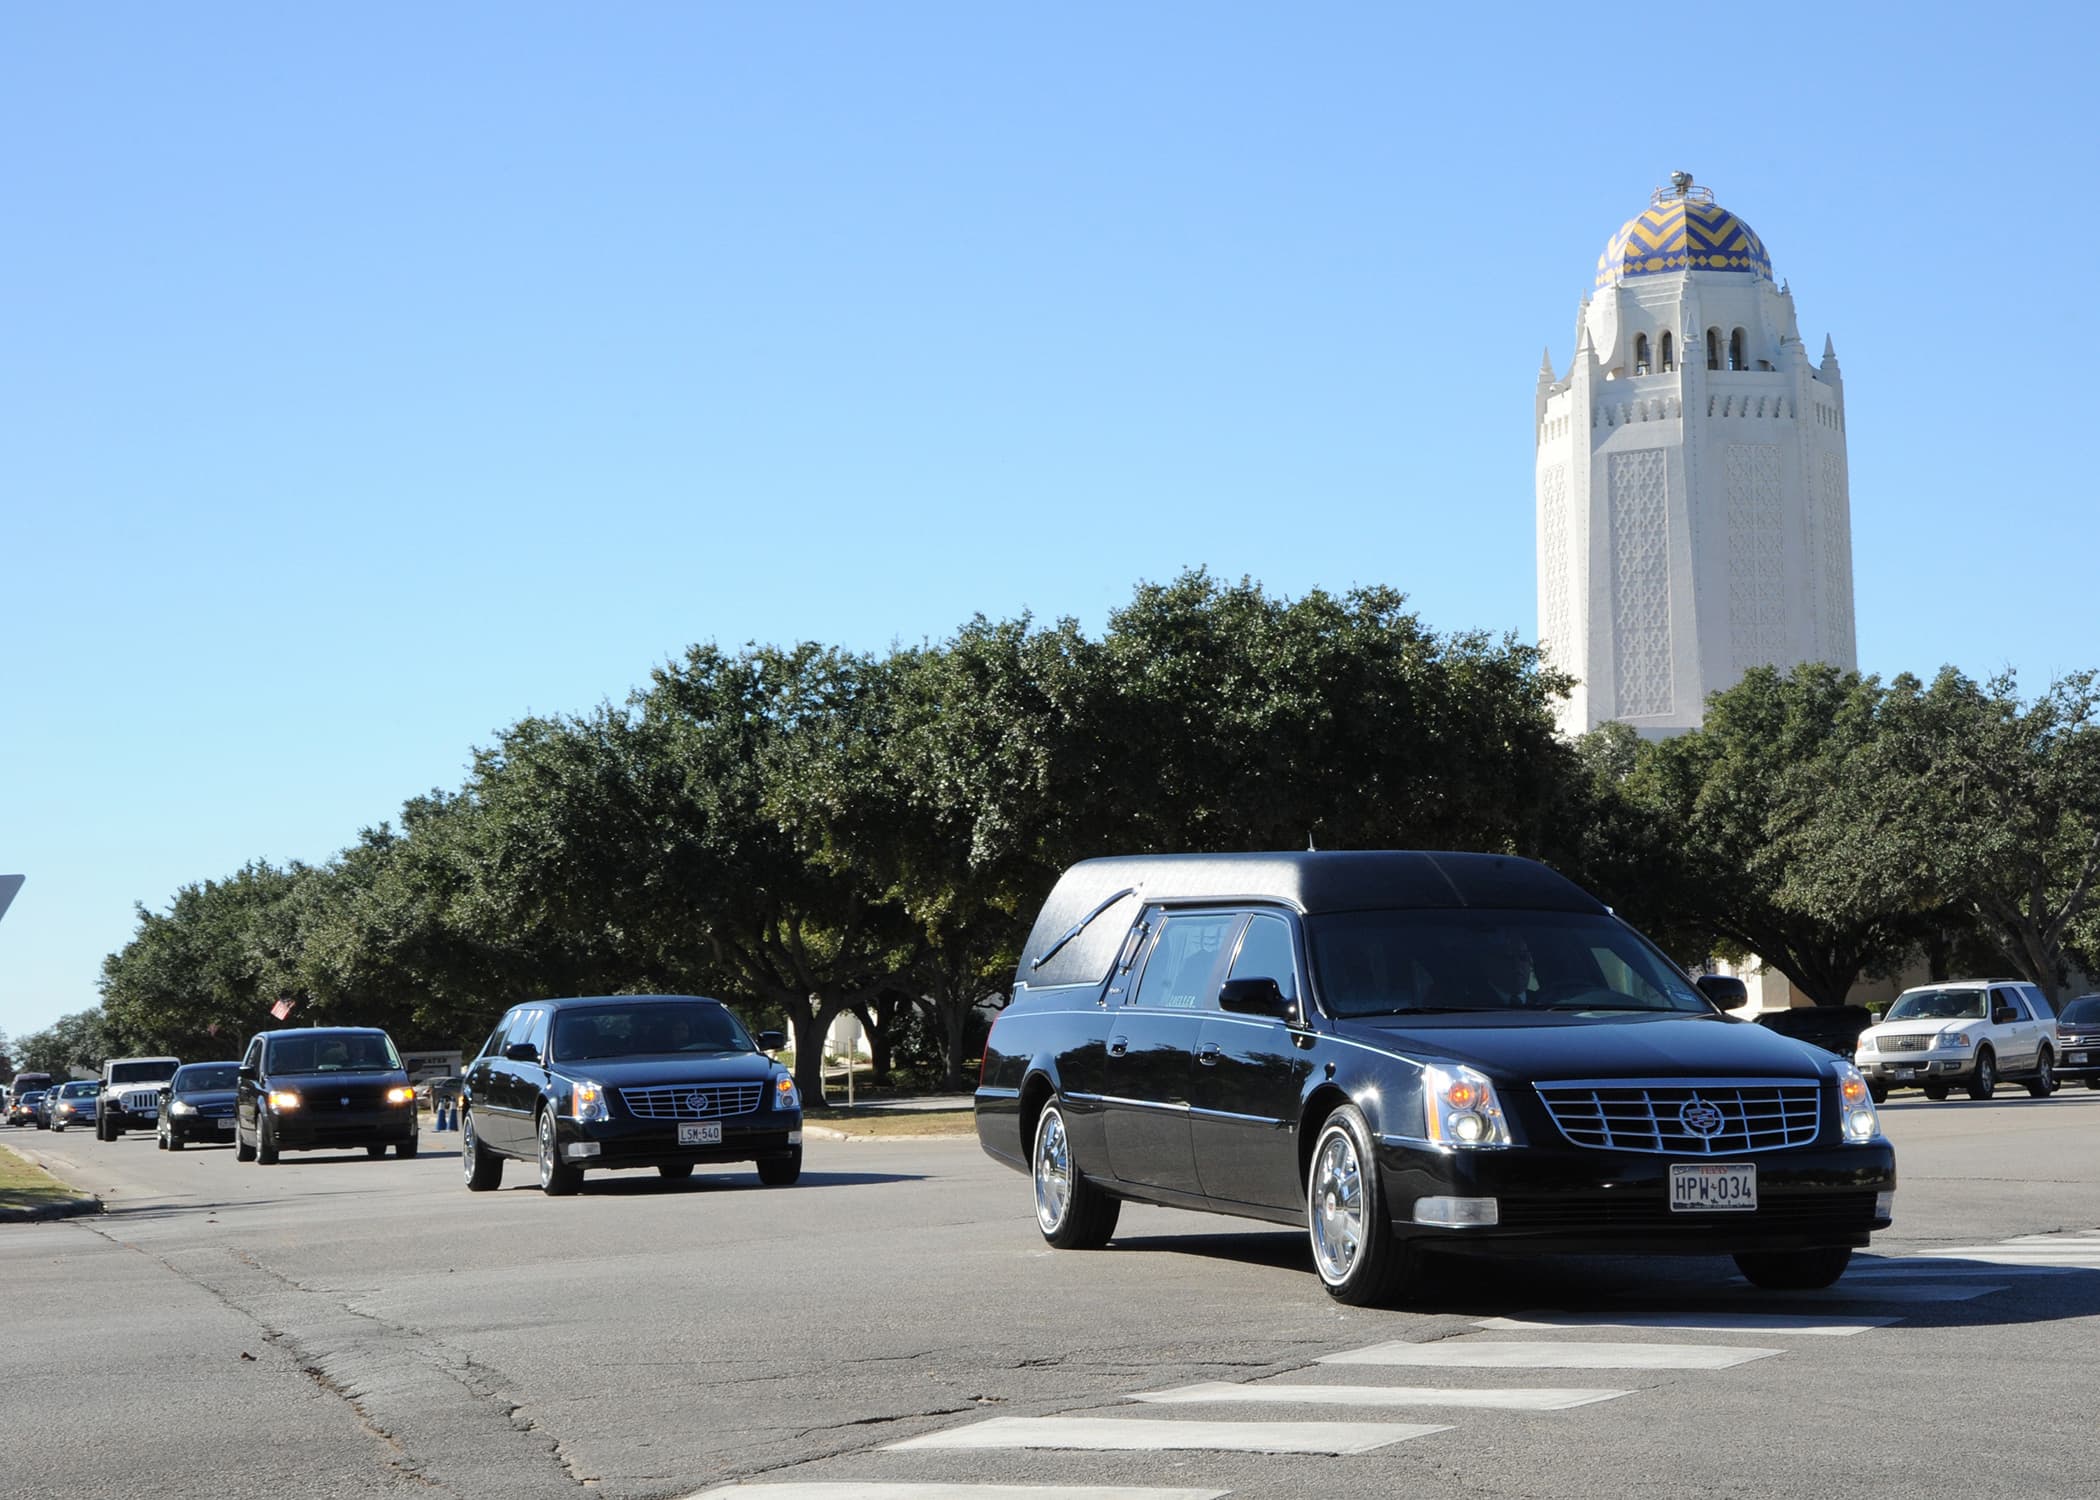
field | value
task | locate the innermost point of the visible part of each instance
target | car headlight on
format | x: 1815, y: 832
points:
x: 1859, y: 1120
x: 285, y: 1099
x: 587, y: 1101
x: 785, y: 1094
x: 400, y: 1096
x: 65, y: 1109
x: 182, y: 1107
x: 1461, y: 1108
x: 1955, y: 1039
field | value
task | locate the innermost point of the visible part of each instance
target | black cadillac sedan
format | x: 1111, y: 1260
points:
x: 1403, y: 1052
x: 664, y: 1081
x: 314, y: 1088
x: 197, y: 1104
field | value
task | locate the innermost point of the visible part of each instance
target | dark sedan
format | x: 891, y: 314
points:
x: 1403, y: 1052
x: 21, y: 1109
x: 664, y: 1081
x: 316, y: 1088
x: 198, y: 1105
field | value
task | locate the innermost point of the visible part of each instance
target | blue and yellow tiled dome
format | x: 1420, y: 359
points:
x: 1683, y: 229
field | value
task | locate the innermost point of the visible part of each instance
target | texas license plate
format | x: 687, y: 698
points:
x: 1712, y: 1187
x: 709, y: 1134
x: 1903, y: 1072
x: 2074, y: 1057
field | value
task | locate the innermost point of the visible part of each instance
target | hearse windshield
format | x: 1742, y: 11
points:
x: 656, y: 1029
x: 1385, y: 963
x: 1938, y: 1005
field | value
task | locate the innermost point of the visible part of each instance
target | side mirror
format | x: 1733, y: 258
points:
x: 1257, y: 997
x: 2004, y: 1015
x: 521, y: 1052
x: 1725, y: 990
x: 772, y: 1041
x: 247, y: 1073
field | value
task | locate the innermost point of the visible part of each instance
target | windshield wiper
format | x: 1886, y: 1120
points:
x: 1431, y: 1010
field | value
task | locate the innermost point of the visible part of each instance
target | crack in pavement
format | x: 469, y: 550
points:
x: 400, y: 1383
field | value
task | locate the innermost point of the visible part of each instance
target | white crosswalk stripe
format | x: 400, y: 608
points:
x: 872, y: 1490
x: 1718, y: 1322
x: 1507, y: 1398
x: 1505, y: 1354
x: 1131, y: 1434
x: 1887, y: 1289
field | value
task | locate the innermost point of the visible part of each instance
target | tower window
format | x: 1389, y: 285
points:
x: 1735, y: 351
x: 1640, y: 354
x: 1669, y: 354
x: 1713, y: 348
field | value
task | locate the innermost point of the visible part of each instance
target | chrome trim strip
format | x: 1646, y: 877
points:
x: 1226, y: 1114
x: 1816, y: 1080
x: 1172, y: 1109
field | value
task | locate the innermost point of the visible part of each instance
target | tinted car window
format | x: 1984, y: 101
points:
x: 652, y: 1030
x: 141, y: 1072
x: 206, y: 1076
x: 1937, y: 1005
x: 1182, y: 973
x: 1389, y: 962
x: 333, y: 1052
x: 2011, y: 1000
x: 1265, y: 953
x: 2084, y: 1011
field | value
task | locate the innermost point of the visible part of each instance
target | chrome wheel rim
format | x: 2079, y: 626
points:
x: 466, y: 1144
x: 1335, y: 1206
x: 546, y: 1149
x: 2046, y: 1075
x: 1053, y: 1172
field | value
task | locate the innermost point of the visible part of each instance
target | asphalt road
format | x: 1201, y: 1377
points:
x: 334, y: 1326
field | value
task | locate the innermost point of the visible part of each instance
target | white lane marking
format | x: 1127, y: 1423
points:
x: 1132, y: 1434
x: 1920, y: 1269
x: 1721, y: 1322
x: 1508, y: 1354
x: 2060, y: 1256
x: 868, y: 1490
x: 1511, y: 1398
x: 1884, y: 1289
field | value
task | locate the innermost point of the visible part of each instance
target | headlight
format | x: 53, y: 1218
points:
x: 1857, y: 1116
x: 400, y: 1096
x: 181, y: 1107
x: 65, y: 1109
x: 1954, y: 1039
x: 587, y: 1102
x: 1461, y: 1108
x: 1866, y: 1043
x: 285, y: 1099
x: 785, y: 1095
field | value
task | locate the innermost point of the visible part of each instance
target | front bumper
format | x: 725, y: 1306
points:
x: 2079, y: 1060
x: 297, y: 1130
x: 762, y: 1135
x: 193, y: 1127
x: 1563, y: 1199
x: 1908, y: 1069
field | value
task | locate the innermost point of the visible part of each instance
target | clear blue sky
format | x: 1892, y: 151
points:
x: 372, y: 375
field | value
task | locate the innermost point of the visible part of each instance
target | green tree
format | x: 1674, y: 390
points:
x: 75, y: 1043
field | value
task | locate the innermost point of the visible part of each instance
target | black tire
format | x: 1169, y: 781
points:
x: 484, y: 1168
x: 557, y: 1178
x: 160, y: 1135
x: 175, y: 1140
x: 1072, y: 1213
x: 1983, y: 1082
x: 781, y: 1171
x: 403, y: 1150
x: 1936, y: 1092
x: 1359, y: 1259
x: 2043, y: 1084
x: 265, y: 1145
x: 375, y: 1152
x: 1793, y: 1270
x: 2093, y: 1082
x: 242, y: 1150
x: 1877, y: 1091
x: 102, y: 1130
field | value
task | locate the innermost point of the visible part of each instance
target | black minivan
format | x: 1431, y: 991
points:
x: 318, y: 1088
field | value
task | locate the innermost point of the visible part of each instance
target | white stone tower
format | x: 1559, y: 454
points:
x: 1694, y: 519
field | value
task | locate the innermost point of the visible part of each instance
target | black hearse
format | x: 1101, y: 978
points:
x: 1405, y: 1051
x: 610, y: 1081
x: 312, y: 1088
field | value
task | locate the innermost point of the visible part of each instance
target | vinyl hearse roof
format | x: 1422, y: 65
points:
x: 1113, y: 889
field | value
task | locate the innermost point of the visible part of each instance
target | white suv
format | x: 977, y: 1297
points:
x: 1968, y: 1031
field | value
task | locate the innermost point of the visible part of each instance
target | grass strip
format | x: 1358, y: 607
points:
x: 23, y: 1184
x: 895, y: 1122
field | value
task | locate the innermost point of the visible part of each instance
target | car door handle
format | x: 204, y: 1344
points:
x: 1118, y: 1045
x: 1207, y: 1054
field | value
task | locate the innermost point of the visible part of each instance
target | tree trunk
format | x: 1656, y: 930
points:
x: 810, y: 1017
x: 955, y: 1020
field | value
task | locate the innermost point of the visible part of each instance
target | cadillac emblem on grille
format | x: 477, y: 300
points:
x: 1700, y: 1118
x: 697, y: 1103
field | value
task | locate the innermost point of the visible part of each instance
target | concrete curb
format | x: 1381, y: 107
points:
x: 833, y: 1133
x: 73, y: 1208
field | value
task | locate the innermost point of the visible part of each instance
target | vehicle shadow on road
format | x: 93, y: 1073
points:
x: 645, y: 1185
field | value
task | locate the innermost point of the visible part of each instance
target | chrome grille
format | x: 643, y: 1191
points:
x: 1916, y: 1042
x: 142, y: 1102
x: 691, y: 1101
x: 1686, y: 1117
